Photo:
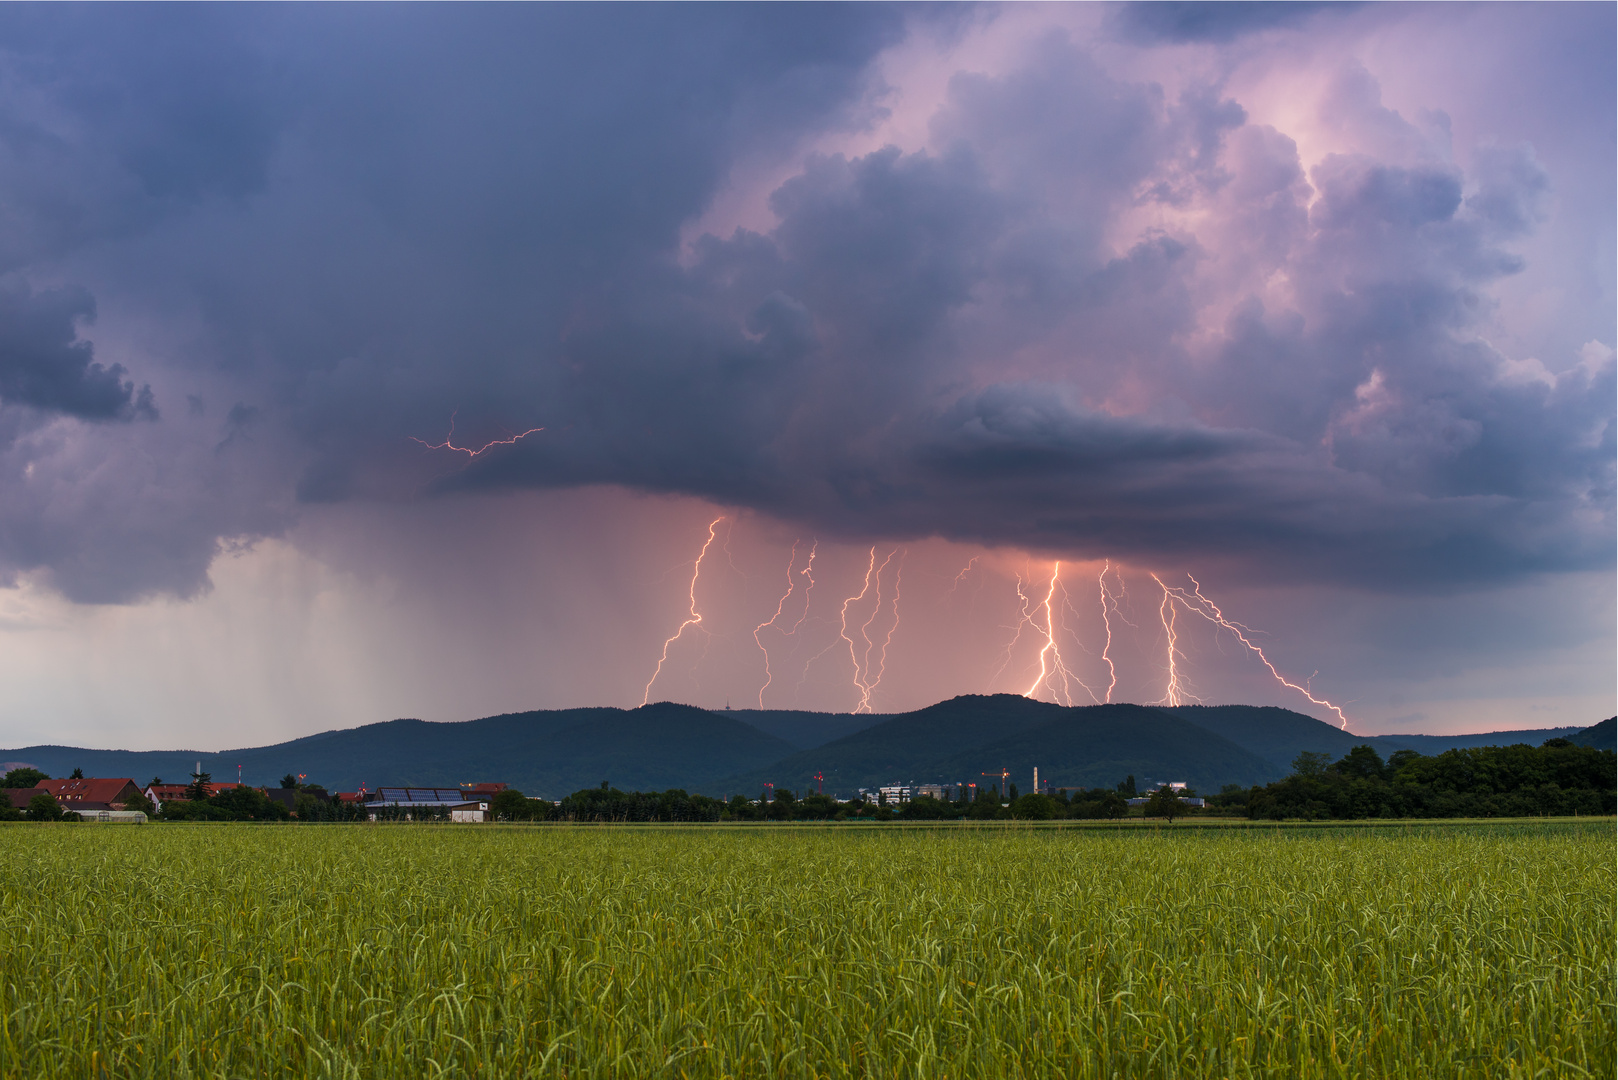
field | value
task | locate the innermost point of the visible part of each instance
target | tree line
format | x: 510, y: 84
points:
x: 1556, y: 779
x: 608, y: 804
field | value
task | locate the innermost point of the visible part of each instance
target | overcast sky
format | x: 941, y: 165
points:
x: 1026, y: 321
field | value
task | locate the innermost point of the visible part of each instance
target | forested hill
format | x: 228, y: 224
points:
x: 1603, y: 736
x: 966, y: 739
x: 551, y: 753
x: 657, y: 746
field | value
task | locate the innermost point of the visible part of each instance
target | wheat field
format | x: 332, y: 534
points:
x: 393, y: 951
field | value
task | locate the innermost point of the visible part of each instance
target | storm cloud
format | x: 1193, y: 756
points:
x: 1093, y: 314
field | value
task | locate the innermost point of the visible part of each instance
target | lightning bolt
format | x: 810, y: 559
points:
x: 1201, y: 605
x: 1108, y: 603
x: 1024, y: 618
x: 449, y: 440
x: 882, y: 655
x: 859, y: 684
x: 695, y: 618
x: 1174, y: 693
x: 782, y: 603
x: 807, y: 572
x: 863, y: 685
x: 962, y: 575
x: 1055, y: 666
x: 865, y: 628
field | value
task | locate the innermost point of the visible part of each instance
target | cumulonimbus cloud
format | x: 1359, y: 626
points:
x: 1088, y: 316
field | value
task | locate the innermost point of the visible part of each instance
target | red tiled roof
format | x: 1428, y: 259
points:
x: 176, y: 792
x: 19, y: 796
x: 89, y: 790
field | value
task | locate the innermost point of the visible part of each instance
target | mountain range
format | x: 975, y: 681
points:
x: 969, y: 739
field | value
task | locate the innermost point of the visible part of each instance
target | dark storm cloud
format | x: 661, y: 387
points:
x: 1368, y: 434
x: 370, y: 220
x: 476, y: 212
x: 1180, y: 21
x: 45, y: 366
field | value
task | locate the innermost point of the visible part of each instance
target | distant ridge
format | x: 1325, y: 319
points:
x: 959, y: 740
x: 1602, y: 736
x: 552, y: 753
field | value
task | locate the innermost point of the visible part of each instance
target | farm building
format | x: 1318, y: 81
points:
x: 416, y: 801
x: 126, y: 817
x: 91, y: 793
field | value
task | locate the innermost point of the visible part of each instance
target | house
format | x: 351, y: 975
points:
x: 482, y: 791
x: 19, y: 796
x: 162, y: 793
x: 91, y: 793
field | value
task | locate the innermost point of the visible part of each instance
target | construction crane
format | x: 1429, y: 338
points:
x: 1003, y: 774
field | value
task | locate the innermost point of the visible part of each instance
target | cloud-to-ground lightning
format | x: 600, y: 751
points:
x: 1201, y: 605
x: 863, y: 684
x: 449, y: 440
x: 695, y: 618
x: 865, y: 633
x: 859, y: 685
x: 780, y: 605
x: 1051, y: 664
x: 1174, y: 693
x: 1109, y: 608
x: 882, y: 655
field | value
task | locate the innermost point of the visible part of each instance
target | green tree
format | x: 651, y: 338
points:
x: 1362, y: 762
x: 1165, y: 802
x: 44, y: 807
x: 248, y: 804
x: 510, y: 805
x: 78, y: 774
x: 1036, y: 807
x: 154, y: 781
x: 290, y: 780
x: 199, y: 788
x: 1126, y: 786
x: 139, y: 801
x: 24, y: 777
x: 1311, y: 763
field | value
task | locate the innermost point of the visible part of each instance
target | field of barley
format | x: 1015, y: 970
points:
x: 399, y: 951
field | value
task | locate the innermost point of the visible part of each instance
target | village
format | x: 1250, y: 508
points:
x: 30, y: 793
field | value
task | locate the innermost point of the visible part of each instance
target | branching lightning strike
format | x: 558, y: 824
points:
x: 1174, y: 693
x: 1201, y: 605
x: 1109, y: 604
x: 882, y: 655
x: 807, y: 572
x: 1055, y: 666
x: 449, y: 440
x: 695, y: 618
x: 863, y: 683
x: 780, y: 605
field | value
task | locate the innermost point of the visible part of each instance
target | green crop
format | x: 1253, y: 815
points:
x: 455, y: 950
